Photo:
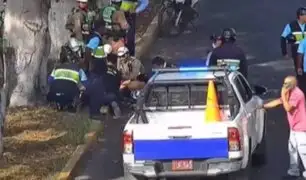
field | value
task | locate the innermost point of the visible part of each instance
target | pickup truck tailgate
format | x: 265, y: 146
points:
x: 167, y: 142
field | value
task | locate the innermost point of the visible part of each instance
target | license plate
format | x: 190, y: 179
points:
x: 182, y: 165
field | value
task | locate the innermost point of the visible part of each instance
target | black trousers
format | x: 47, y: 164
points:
x: 300, y: 78
x: 63, y: 92
x: 131, y: 19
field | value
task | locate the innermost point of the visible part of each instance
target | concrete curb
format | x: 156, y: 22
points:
x: 90, y: 138
x: 144, y: 43
x: 142, y: 46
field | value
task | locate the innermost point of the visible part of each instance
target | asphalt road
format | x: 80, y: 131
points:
x: 259, y: 24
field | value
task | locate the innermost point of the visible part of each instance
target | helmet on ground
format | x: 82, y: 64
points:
x: 228, y: 34
x: 74, y: 44
x: 83, y: 1
x: 122, y: 51
x: 301, y: 11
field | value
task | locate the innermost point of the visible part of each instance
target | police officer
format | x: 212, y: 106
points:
x: 96, y: 51
x: 80, y: 22
x: 301, y: 65
x: 131, y: 8
x: 95, y: 61
x: 293, y: 34
x: 113, y: 79
x: 129, y: 66
x: 66, y: 81
x: 229, y: 52
x: 115, y: 21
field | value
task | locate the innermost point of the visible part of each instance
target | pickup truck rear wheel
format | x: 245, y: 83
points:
x: 244, y: 173
x: 259, y: 156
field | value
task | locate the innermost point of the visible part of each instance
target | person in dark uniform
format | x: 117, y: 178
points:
x: 293, y: 34
x: 95, y: 62
x: 96, y: 51
x: 66, y: 81
x: 301, y: 66
x: 229, y: 52
x: 113, y: 79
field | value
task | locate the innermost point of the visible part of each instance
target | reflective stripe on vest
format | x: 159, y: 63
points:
x: 99, y: 52
x: 128, y: 6
x: 234, y: 64
x: 299, y: 36
x: 66, y: 74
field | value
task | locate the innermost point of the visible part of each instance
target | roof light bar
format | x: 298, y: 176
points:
x: 190, y: 69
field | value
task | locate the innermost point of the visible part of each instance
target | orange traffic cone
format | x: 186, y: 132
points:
x: 212, y: 107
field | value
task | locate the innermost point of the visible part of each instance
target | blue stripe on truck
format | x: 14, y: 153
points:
x: 180, y: 149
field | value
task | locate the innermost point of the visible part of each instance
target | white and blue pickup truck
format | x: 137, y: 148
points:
x: 167, y: 135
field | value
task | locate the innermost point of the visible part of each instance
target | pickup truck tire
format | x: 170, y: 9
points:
x: 259, y: 156
x: 243, y: 173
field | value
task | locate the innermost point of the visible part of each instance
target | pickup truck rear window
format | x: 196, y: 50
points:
x: 183, y: 95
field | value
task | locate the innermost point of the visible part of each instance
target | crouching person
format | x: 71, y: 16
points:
x: 293, y: 101
x: 66, y: 81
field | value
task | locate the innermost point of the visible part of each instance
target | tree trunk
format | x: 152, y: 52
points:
x: 26, y: 30
x: 57, y: 20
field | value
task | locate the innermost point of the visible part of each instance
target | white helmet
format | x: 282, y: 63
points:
x: 107, y: 48
x: 122, y: 51
x: 74, y: 44
x: 83, y: 1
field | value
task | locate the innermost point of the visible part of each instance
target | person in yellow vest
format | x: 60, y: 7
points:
x: 66, y: 81
x: 131, y: 8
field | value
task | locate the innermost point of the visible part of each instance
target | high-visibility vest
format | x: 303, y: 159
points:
x: 66, y: 72
x: 99, y: 53
x: 129, y: 5
x: 298, y: 33
x: 107, y: 15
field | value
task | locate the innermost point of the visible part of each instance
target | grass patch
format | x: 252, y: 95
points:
x: 39, y: 142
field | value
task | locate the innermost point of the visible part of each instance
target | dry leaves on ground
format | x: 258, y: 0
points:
x: 39, y: 141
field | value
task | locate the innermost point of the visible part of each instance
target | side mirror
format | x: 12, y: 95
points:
x: 259, y: 90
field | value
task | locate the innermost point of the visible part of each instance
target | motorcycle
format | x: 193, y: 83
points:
x: 175, y: 15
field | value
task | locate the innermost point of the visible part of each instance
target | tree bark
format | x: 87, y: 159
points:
x: 26, y: 30
x: 57, y: 19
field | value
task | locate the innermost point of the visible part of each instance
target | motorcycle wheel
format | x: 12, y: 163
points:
x: 166, y: 23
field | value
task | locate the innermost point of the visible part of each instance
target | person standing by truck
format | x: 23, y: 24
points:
x: 293, y: 100
x: 131, y: 8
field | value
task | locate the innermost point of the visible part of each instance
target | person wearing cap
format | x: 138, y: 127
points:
x: 80, y: 21
x: 229, y: 52
x: 115, y: 21
x: 66, y: 81
x: 293, y: 33
x: 129, y: 66
x: 131, y: 8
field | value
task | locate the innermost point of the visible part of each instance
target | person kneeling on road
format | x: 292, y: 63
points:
x: 229, y: 51
x: 113, y: 79
x: 293, y: 101
x: 66, y: 81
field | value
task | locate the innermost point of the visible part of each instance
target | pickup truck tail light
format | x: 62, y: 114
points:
x: 128, y: 142
x: 233, y: 139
